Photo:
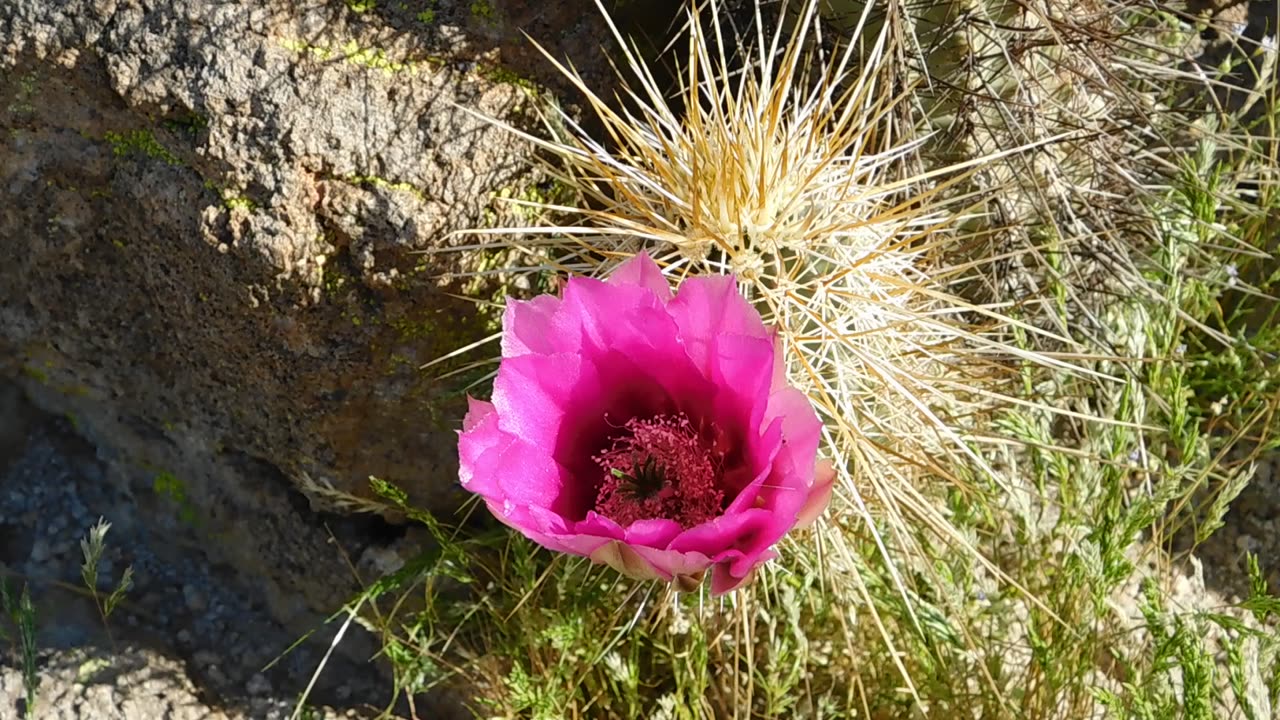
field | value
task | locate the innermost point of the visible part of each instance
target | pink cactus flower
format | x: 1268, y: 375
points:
x: 652, y: 432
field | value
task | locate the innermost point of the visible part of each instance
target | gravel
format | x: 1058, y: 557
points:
x: 191, y: 639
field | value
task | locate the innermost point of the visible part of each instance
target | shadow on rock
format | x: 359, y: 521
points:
x: 191, y: 637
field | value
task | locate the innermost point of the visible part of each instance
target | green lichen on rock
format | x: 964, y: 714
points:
x: 485, y: 11
x: 381, y: 182
x: 190, y: 123
x: 139, y: 142
x: 332, y: 280
x: 368, y: 57
x: 36, y: 374
x: 320, y: 52
x: 374, y: 58
x: 529, y: 200
x: 506, y: 76
x: 169, y: 487
x: 238, y: 201
x: 22, y: 99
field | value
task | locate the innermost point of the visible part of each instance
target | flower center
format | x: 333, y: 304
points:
x: 660, y: 469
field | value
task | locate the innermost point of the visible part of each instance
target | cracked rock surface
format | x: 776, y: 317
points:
x: 213, y: 309
x: 211, y: 214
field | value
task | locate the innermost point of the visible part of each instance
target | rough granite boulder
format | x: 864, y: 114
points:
x: 211, y: 215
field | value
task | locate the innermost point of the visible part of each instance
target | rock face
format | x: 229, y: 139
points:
x: 192, y: 637
x: 210, y: 214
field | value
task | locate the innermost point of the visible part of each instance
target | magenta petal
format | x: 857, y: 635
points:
x: 477, y: 412
x: 627, y: 561
x: 510, y: 474
x: 582, y: 375
x: 608, y: 313
x: 747, y: 482
x: 800, y: 423
x: 519, y: 517
x: 643, y: 272
x: 745, y: 536
x: 707, y: 308
x: 722, y: 582
x: 596, y: 524
x: 479, y: 438
x: 787, y: 489
x: 655, y: 361
x: 656, y: 533
x: 582, y: 545
x: 724, y: 579
x: 672, y: 563
x: 537, y: 326
x: 548, y: 522
x: 744, y: 365
x: 534, y: 393
x: 549, y: 529
x: 526, y: 475
x: 779, y: 361
x: 742, y: 372
x: 742, y: 368
x: 819, y: 495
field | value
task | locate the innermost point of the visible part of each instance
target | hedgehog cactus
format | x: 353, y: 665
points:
x: 1062, y: 81
x: 872, y: 254
x: 787, y: 176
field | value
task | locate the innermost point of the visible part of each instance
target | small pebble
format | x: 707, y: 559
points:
x: 1246, y: 543
x: 216, y: 676
x: 204, y: 658
x: 196, y: 601
x: 258, y: 685
x: 40, y: 551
